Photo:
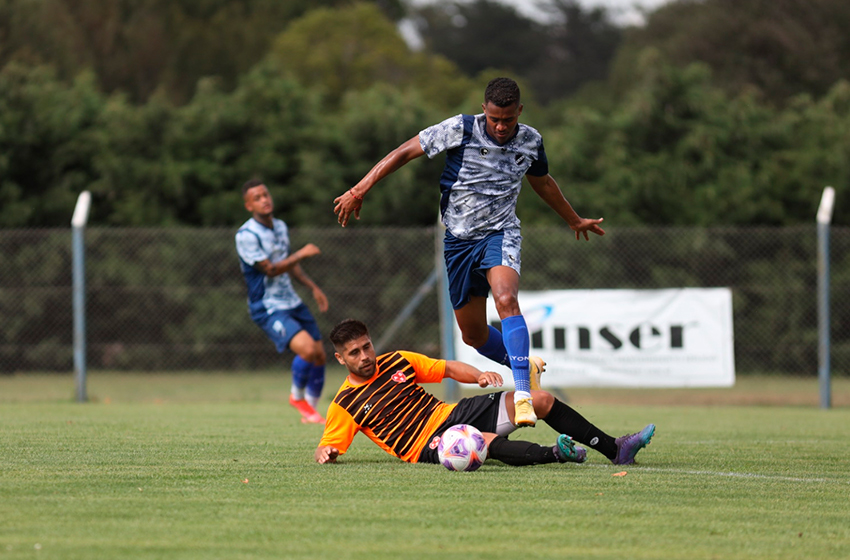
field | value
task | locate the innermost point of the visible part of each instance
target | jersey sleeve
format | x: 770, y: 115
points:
x: 249, y: 248
x: 340, y: 429
x: 540, y: 166
x: 428, y: 370
x: 442, y: 136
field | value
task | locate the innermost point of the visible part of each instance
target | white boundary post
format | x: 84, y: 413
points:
x: 423, y: 290
x: 78, y: 225
x: 824, y: 218
x: 446, y: 312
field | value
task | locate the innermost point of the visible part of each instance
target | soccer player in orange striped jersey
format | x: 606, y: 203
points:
x: 383, y: 399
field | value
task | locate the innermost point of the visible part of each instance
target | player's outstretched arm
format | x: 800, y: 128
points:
x: 326, y: 454
x: 547, y: 189
x: 276, y: 269
x: 351, y: 201
x: 321, y: 299
x: 465, y: 373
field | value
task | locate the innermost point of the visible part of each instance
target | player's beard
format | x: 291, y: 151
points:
x: 366, y: 371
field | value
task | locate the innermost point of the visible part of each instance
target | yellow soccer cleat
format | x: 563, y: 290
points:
x: 524, y: 415
x: 536, y: 367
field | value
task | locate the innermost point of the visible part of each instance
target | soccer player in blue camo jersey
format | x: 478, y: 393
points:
x: 264, y: 254
x: 487, y: 155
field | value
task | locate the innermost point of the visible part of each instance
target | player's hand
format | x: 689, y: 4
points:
x: 586, y: 225
x: 326, y: 454
x: 321, y: 299
x: 490, y: 378
x: 345, y: 205
x: 309, y: 250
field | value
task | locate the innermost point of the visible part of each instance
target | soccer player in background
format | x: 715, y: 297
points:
x: 382, y: 398
x: 264, y: 254
x: 487, y: 156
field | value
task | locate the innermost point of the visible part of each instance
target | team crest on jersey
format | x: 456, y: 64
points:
x: 434, y: 442
x: 398, y: 377
x: 483, y: 152
x: 519, y: 158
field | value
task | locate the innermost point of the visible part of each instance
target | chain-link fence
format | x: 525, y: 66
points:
x: 174, y: 299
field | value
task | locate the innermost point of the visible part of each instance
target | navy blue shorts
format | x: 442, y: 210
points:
x: 467, y: 262
x: 280, y: 326
x: 481, y: 411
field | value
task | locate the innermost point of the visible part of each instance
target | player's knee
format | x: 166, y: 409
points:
x: 475, y: 339
x: 317, y: 355
x: 543, y: 401
x: 506, y: 303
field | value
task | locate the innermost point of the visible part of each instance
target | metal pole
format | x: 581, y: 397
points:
x: 824, y: 218
x: 78, y: 224
x: 423, y: 290
x: 446, y: 311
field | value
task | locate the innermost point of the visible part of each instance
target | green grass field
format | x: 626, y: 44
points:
x: 219, y: 466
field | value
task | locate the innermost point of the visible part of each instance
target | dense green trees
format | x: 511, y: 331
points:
x: 321, y: 97
x: 139, y: 46
x: 573, y: 48
x: 780, y: 47
x: 350, y: 49
x: 678, y: 151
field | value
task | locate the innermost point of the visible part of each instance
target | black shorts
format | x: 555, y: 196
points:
x: 481, y: 411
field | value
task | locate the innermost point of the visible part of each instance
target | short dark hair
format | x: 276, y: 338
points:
x: 502, y: 92
x: 346, y: 331
x: 250, y: 184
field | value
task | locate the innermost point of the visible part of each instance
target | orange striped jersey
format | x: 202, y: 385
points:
x: 391, y: 408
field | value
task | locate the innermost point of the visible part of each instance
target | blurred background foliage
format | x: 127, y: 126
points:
x: 712, y: 112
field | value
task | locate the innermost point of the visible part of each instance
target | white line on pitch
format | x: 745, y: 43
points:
x: 756, y: 444
x: 735, y: 474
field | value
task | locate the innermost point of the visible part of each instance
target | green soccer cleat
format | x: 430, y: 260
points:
x: 567, y: 452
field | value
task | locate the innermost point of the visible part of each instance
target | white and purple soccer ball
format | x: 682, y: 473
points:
x: 462, y: 448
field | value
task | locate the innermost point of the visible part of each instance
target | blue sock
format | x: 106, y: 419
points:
x: 316, y: 383
x: 515, y: 335
x: 494, y: 348
x: 300, y: 375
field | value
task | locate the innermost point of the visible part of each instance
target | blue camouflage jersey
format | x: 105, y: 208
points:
x: 254, y: 243
x: 482, y: 179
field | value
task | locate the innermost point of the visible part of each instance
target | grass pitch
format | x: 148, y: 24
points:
x: 216, y: 466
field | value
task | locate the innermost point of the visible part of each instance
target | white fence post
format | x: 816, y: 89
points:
x: 78, y: 225
x: 824, y: 218
x: 446, y: 312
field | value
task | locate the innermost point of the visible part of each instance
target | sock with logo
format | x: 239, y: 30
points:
x: 515, y: 336
x: 300, y: 377
x: 315, y: 384
x: 494, y: 348
x: 520, y: 453
x: 565, y: 420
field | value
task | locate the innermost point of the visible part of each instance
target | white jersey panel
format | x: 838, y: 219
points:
x: 482, y: 179
x: 254, y: 243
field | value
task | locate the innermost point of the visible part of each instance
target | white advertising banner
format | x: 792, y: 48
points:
x: 625, y: 338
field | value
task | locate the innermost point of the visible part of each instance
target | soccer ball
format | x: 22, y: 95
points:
x: 462, y: 448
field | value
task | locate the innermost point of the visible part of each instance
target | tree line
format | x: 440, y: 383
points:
x: 713, y: 113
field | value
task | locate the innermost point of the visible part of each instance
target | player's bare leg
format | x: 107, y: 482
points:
x: 472, y: 322
x: 504, y: 285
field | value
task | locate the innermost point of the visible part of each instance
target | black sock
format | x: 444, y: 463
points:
x: 565, y: 420
x: 520, y: 453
